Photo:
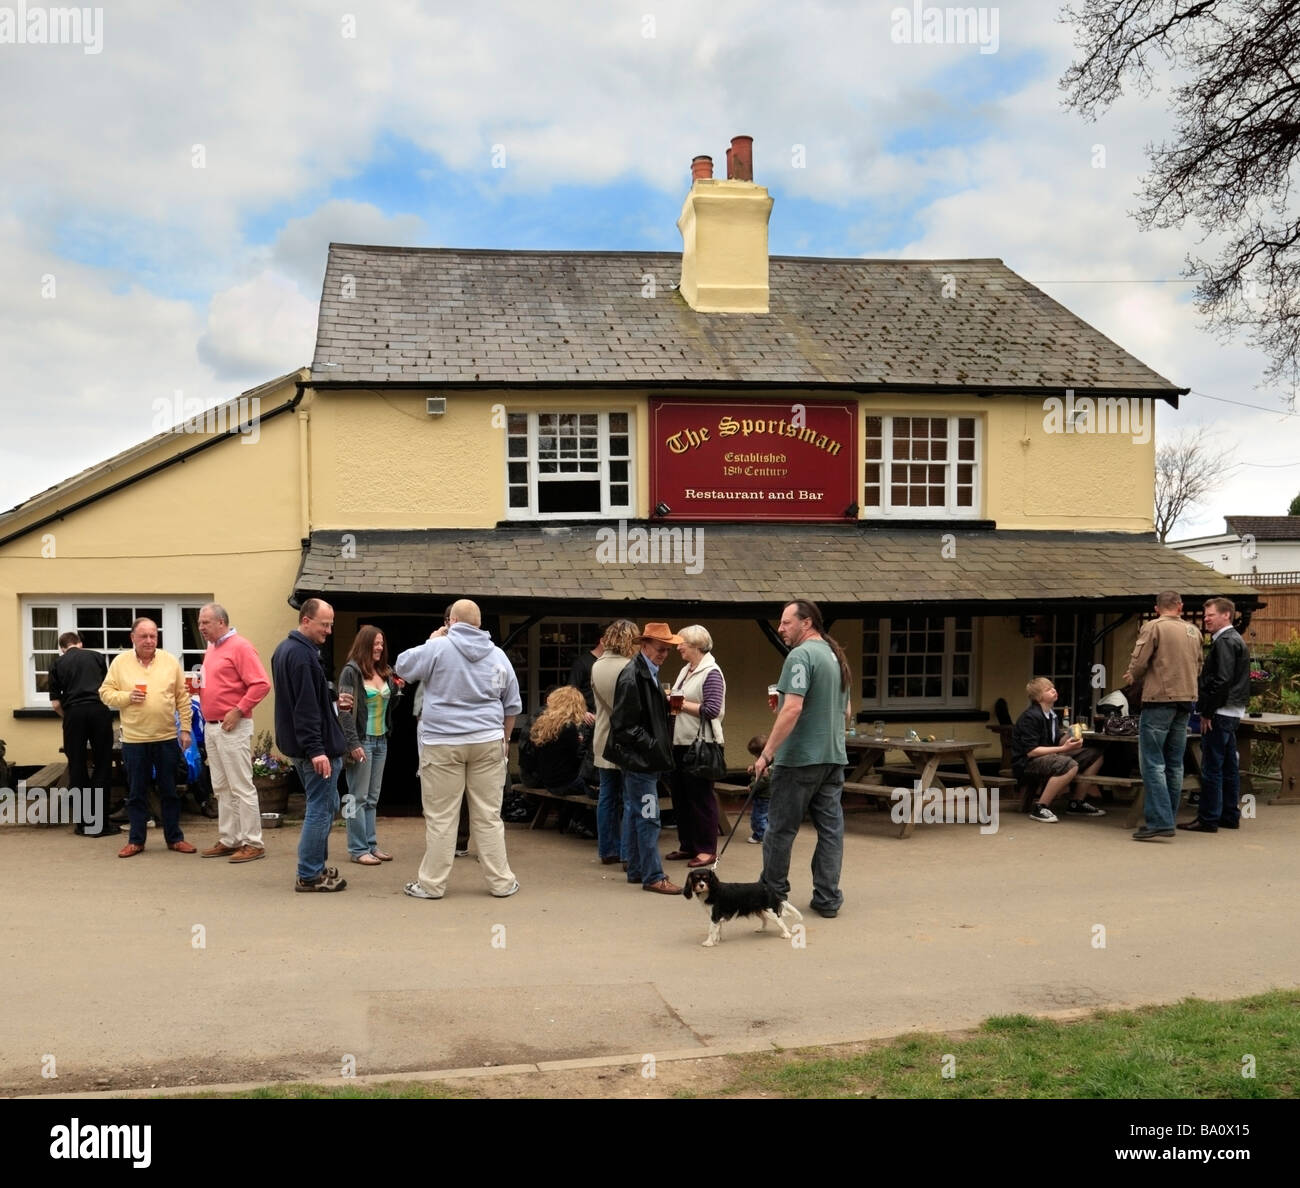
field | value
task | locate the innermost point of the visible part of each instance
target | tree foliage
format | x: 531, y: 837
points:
x: 1231, y: 164
x: 1188, y: 469
x: 1294, y: 509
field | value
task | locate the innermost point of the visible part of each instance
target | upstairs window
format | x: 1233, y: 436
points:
x: 922, y: 467
x: 568, y: 464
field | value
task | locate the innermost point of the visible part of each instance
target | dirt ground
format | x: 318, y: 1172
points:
x: 170, y: 970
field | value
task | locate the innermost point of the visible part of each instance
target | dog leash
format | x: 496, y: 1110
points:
x: 736, y: 826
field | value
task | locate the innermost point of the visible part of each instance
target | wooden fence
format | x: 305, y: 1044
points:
x: 1281, y: 617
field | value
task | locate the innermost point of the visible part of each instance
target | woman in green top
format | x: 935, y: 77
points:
x: 375, y: 691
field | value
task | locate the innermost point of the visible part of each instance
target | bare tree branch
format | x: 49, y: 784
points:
x: 1232, y: 164
x: 1188, y: 469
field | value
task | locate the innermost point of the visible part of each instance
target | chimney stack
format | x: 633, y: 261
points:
x: 724, y: 236
x: 740, y: 158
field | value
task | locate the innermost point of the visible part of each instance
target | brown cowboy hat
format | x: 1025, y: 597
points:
x: 660, y: 633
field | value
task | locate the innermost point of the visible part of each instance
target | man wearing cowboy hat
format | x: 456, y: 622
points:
x: 641, y: 744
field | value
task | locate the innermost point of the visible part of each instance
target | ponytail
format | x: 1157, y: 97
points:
x: 804, y: 609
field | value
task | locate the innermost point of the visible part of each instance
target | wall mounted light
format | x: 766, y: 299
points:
x: 662, y: 509
x: 851, y: 512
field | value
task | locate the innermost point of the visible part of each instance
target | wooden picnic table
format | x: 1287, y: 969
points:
x: 866, y: 755
x: 1287, y: 729
x: 1128, y: 749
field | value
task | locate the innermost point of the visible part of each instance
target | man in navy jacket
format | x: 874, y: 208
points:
x: 307, y: 731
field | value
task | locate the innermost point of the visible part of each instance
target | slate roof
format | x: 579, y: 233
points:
x: 458, y: 316
x: 736, y: 569
x: 1265, y: 527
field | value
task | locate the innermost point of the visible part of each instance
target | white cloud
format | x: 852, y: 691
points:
x: 263, y: 328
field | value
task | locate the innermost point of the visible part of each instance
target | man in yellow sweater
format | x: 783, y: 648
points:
x: 147, y: 688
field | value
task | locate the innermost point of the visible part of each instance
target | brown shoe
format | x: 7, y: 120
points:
x: 609, y: 861
x: 663, y: 887
x: 182, y: 847
x: 130, y: 850
x: 220, y: 850
x: 247, y: 853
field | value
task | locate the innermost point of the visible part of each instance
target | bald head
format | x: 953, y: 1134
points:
x: 465, y: 611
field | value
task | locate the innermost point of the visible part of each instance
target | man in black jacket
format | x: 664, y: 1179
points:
x: 1221, y: 696
x: 307, y: 731
x: 641, y: 743
x: 75, y: 677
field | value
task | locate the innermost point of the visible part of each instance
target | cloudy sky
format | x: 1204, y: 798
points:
x: 170, y: 185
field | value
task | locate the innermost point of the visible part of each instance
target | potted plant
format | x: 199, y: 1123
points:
x: 270, y: 775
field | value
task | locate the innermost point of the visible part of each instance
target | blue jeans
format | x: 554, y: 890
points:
x: 815, y: 790
x: 609, y: 842
x: 145, y: 762
x: 322, y: 804
x: 758, y: 815
x: 1162, y: 739
x: 1220, y: 775
x: 641, y: 827
x: 364, y: 782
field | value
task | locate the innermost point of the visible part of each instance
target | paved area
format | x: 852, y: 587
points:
x: 101, y: 969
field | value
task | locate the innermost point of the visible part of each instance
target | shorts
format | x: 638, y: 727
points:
x: 1046, y: 767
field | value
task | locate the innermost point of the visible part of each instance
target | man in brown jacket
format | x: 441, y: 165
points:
x: 1167, y: 659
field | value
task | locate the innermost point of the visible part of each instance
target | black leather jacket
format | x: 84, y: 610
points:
x: 640, y: 734
x: 1225, y: 677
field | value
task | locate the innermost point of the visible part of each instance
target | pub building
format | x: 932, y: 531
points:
x: 957, y: 469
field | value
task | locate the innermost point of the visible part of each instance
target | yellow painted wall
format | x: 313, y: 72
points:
x: 228, y: 523
x: 449, y: 471
x: 222, y: 526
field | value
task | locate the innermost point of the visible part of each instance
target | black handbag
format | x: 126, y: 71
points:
x: 1123, y: 725
x: 705, y: 758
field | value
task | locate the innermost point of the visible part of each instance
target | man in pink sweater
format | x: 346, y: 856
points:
x: 233, y: 683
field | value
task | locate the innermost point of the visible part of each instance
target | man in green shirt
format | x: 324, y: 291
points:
x: 805, y: 753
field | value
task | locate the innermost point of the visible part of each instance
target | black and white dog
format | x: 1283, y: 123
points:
x: 726, y: 901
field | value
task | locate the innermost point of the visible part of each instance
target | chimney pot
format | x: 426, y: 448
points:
x: 741, y: 158
x: 701, y: 167
x: 730, y: 166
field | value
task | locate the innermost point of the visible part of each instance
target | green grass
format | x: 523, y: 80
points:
x: 1193, y: 1049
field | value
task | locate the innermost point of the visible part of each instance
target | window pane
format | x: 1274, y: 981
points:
x: 517, y: 447
x: 119, y: 616
x: 618, y: 472
x: 618, y: 447
x: 618, y: 422
x: 566, y: 496
x: 618, y: 496
x: 518, y: 497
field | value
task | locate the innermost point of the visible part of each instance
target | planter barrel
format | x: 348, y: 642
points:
x: 272, y: 793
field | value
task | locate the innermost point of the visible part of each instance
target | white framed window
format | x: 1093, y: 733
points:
x: 104, y: 625
x: 918, y: 662
x: 564, y: 465
x: 543, y: 655
x: 920, y: 467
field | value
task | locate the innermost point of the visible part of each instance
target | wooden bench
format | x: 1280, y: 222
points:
x: 949, y: 775
x: 880, y: 792
x: 549, y: 799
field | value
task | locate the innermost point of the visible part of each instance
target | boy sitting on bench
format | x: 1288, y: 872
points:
x: 1042, y: 753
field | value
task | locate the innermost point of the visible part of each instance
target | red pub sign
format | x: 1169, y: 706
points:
x: 753, y: 459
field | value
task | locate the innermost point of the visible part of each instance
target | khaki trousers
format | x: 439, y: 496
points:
x: 230, y: 760
x: 476, y: 770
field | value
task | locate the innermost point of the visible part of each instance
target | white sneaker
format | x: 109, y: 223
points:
x: 1040, y: 812
x: 506, y: 894
x: 415, y: 891
x: 462, y: 853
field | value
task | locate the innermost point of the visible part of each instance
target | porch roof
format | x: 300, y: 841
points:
x: 747, y: 570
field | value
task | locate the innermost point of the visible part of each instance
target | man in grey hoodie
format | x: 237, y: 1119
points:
x: 471, y: 699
